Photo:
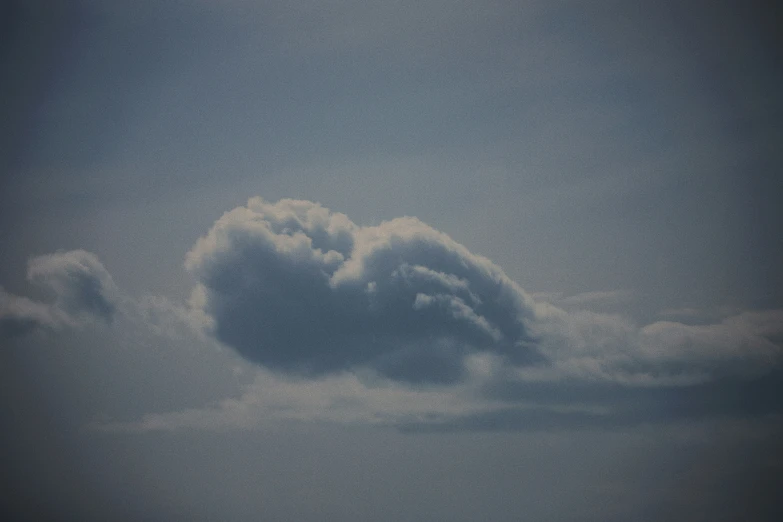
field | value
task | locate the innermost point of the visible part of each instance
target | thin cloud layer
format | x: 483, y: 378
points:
x: 20, y: 315
x: 80, y: 288
x: 298, y: 288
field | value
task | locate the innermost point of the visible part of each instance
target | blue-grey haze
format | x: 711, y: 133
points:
x: 619, y: 160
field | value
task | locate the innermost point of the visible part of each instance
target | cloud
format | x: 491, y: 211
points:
x: 302, y: 290
x: 398, y: 324
x: 20, y: 315
x: 298, y: 288
x: 79, y: 287
x: 752, y: 338
x: 345, y: 398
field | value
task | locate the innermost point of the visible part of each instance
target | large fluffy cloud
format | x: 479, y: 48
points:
x: 80, y: 291
x: 301, y: 289
x: 343, y: 318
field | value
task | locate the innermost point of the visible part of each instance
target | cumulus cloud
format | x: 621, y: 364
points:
x: 482, y: 402
x: 398, y: 324
x: 298, y: 288
x: 752, y: 338
x: 604, y: 347
x: 80, y: 291
x: 81, y: 286
x: 345, y: 398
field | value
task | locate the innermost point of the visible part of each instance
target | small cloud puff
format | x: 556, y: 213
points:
x: 80, y: 287
x: 343, y: 319
x: 20, y: 315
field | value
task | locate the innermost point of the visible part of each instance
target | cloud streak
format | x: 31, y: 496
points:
x: 297, y: 288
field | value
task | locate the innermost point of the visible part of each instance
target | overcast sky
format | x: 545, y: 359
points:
x: 370, y: 260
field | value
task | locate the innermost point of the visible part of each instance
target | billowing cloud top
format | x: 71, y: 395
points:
x: 296, y: 287
x: 301, y: 290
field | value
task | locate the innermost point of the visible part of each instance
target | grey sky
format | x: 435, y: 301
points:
x: 618, y: 162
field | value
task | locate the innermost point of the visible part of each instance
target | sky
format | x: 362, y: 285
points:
x: 422, y: 261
